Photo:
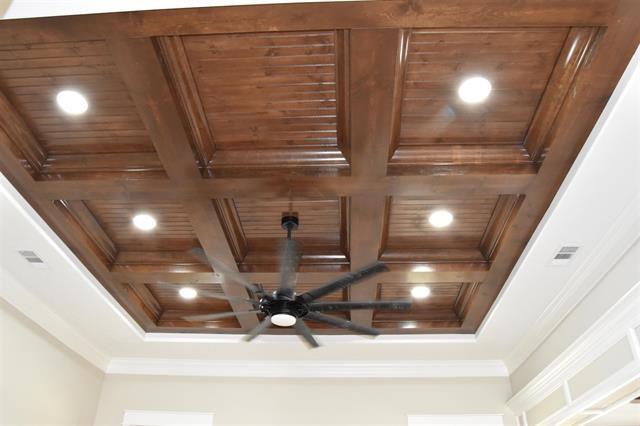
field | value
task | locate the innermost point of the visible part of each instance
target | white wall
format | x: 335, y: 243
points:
x: 302, y: 401
x: 614, y: 286
x: 42, y: 382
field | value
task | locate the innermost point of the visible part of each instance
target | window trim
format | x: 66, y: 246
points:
x: 166, y: 418
x: 455, y: 420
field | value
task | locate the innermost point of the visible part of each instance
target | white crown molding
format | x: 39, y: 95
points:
x: 307, y: 369
x: 607, y: 330
x: 350, y: 339
x: 611, y: 384
x: 610, y: 249
x: 30, y: 306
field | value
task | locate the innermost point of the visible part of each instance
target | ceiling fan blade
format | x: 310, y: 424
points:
x: 305, y: 333
x: 289, y: 260
x: 347, y: 306
x: 338, y: 322
x: 213, y: 295
x: 256, y: 331
x: 211, y: 317
x: 344, y: 282
x: 219, y: 267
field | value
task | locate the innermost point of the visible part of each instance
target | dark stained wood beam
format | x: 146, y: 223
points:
x: 456, y: 273
x: 320, y: 16
x: 143, y: 74
x: 373, y: 75
x: 467, y: 185
x: 575, y: 53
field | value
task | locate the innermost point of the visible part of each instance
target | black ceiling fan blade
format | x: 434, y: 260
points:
x: 220, y: 268
x: 347, y: 306
x: 211, y: 317
x: 213, y: 295
x: 338, y: 322
x: 344, y: 281
x: 305, y: 333
x: 257, y: 330
x: 289, y: 260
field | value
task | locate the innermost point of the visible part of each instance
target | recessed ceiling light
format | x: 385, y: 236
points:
x: 420, y: 292
x: 283, y: 320
x: 72, y: 102
x: 422, y: 268
x: 440, y: 218
x: 188, y: 293
x: 409, y: 324
x: 474, y: 90
x: 144, y: 222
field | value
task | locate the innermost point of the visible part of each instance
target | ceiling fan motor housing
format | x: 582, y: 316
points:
x: 284, y: 306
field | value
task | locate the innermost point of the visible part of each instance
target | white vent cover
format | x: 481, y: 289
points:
x: 33, y: 259
x: 564, y: 255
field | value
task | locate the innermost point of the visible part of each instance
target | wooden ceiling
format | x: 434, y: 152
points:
x: 217, y: 121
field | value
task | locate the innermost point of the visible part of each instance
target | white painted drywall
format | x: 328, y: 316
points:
x: 302, y: 401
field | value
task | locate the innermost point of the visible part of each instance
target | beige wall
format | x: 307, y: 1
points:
x: 42, y: 382
x: 4, y: 5
x: 302, y: 401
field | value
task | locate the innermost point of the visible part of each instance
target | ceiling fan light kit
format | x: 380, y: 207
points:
x: 285, y: 308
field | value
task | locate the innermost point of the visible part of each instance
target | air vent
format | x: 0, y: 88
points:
x: 33, y: 259
x: 564, y: 255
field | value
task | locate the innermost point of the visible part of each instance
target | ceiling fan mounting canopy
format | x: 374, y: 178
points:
x: 284, y: 307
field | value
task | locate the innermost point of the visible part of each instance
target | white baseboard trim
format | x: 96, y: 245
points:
x: 307, y: 369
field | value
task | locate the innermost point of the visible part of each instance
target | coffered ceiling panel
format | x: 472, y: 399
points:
x: 109, y: 141
x: 363, y: 118
x: 173, y: 232
x: 267, y: 102
x: 517, y: 62
x: 409, y: 225
x: 445, y: 306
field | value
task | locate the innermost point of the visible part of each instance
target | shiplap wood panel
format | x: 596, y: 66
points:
x: 109, y: 138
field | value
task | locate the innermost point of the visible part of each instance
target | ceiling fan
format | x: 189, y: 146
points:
x: 284, y: 307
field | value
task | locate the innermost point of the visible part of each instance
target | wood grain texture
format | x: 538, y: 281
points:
x: 110, y: 138
x: 373, y: 83
x: 154, y: 100
x: 219, y: 120
x: 263, y: 93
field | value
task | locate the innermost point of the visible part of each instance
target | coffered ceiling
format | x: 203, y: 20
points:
x: 218, y: 121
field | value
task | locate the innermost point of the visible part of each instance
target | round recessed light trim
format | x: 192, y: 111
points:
x: 474, y: 90
x: 420, y: 292
x: 410, y: 324
x: 283, y: 320
x: 144, y: 222
x: 188, y: 293
x: 72, y: 102
x: 440, y: 218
